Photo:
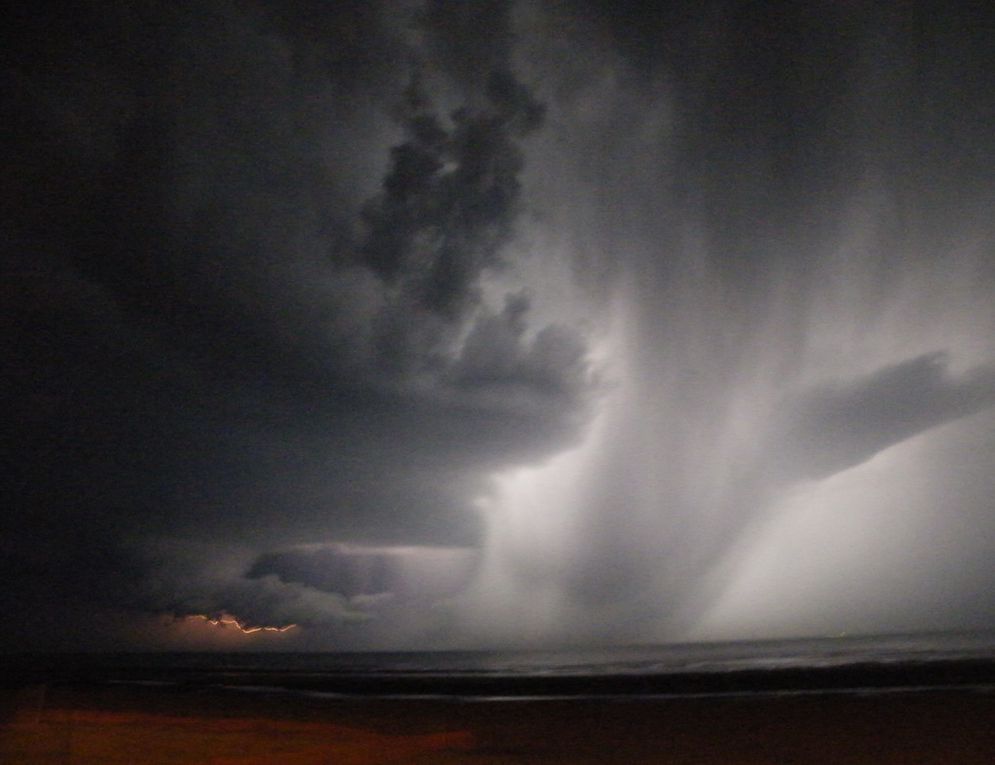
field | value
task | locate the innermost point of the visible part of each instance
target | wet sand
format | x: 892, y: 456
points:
x: 148, y: 725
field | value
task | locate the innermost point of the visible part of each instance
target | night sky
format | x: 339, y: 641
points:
x: 469, y: 324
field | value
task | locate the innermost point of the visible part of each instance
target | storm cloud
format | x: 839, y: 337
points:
x: 840, y: 426
x: 245, y: 269
x: 489, y: 322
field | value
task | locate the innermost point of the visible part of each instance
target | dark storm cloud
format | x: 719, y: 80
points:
x: 447, y: 207
x: 451, y: 194
x: 189, y: 578
x: 495, y: 358
x: 332, y: 569
x: 837, y: 427
x: 450, y: 197
x: 236, y: 313
x: 454, y: 39
x: 332, y: 586
x: 251, y: 268
x: 365, y: 574
x: 267, y: 601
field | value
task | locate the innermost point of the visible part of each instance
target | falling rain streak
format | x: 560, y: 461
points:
x: 800, y: 339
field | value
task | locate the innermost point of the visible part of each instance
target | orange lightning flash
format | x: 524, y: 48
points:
x: 230, y: 621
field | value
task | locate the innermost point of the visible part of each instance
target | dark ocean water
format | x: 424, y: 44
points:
x: 869, y: 664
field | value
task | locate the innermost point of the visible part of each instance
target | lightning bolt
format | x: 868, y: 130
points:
x: 225, y: 620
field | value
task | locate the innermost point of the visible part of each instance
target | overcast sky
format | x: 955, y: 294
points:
x: 438, y: 324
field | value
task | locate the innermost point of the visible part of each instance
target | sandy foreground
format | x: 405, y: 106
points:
x: 122, y: 724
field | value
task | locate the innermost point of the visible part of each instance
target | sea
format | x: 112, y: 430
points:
x: 847, y: 664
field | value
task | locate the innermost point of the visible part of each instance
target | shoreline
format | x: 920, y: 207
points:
x: 968, y: 674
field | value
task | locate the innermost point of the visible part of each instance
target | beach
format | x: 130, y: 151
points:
x: 106, y: 723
